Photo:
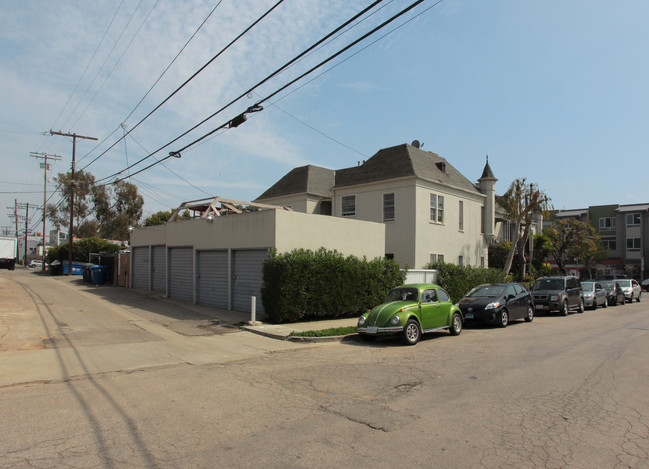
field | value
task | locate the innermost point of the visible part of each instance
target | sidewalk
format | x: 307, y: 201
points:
x: 237, y: 318
x: 273, y: 331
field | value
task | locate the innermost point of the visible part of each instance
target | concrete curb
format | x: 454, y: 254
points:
x: 283, y: 335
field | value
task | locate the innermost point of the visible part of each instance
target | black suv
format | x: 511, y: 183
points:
x: 558, y: 294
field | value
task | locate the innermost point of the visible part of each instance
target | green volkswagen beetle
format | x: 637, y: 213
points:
x: 410, y: 311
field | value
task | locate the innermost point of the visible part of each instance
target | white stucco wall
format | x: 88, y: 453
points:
x: 446, y: 238
x: 278, y: 229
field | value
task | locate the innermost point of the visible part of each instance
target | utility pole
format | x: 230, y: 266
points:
x: 26, y: 232
x: 71, y: 230
x: 45, y: 166
x: 16, y: 218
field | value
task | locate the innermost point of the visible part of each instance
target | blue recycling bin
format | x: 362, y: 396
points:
x: 98, y: 274
x: 87, y: 272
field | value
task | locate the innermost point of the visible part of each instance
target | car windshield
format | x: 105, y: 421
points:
x: 624, y: 283
x: 587, y: 286
x: 489, y: 291
x: 403, y: 294
x: 548, y: 284
x: 608, y: 285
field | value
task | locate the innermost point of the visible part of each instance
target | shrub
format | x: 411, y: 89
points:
x: 457, y: 281
x: 304, y: 284
x: 81, y: 250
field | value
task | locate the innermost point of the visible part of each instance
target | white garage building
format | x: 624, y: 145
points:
x: 216, y: 257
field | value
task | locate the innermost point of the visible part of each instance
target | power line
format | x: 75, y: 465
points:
x: 257, y: 106
x: 105, y: 61
x: 190, y: 79
x: 87, y: 65
x: 128, y: 46
x: 283, y: 67
x: 152, y: 86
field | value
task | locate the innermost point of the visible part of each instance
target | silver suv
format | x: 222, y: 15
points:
x: 563, y: 294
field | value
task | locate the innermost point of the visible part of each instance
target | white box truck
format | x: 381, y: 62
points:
x: 8, y: 253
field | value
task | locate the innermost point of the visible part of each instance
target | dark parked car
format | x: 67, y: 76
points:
x: 497, y: 303
x: 614, y: 293
x: 594, y: 295
x: 645, y: 284
x: 563, y: 294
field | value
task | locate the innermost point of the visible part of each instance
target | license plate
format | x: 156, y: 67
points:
x: 372, y: 330
x: 469, y: 315
x: 540, y: 307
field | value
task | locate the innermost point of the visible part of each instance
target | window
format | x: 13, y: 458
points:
x: 388, y: 207
x: 433, y: 207
x: 349, y: 205
x: 437, y: 208
x: 461, y: 215
x: 607, y: 224
x: 482, y: 262
x: 433, y: 258
x: 429, y: 296
x: 442, y: 295
x: 460, y: 261
x: 440, y: 257
x: 389, y: 256
x: 610, y: 243
x: 633, y: 244
x: 632, y: 219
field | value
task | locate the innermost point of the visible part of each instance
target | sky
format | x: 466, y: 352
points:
x: 555, y: 91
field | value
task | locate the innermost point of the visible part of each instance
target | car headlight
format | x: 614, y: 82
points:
x: 362, y: 320
x: 554, y: 297
x: 493, y: 305
x: 395, y: 320
x: 588, y: 295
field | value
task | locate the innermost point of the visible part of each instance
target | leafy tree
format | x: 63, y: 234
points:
x: 522, y: 202
x: 574, y: 239
x: 81, y: 187
x: 162, y: 216
x: 115, y: 207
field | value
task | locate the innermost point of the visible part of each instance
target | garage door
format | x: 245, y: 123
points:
x: 140, y: 268
x: 159, y: 269
x: 181, y: 283
x: 212, y: 278
x: 247, y: 278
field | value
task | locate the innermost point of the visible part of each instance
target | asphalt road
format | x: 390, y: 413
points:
x: 560, y: 392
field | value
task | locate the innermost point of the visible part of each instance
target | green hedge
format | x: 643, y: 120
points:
x: 303, y: 284
x: 457, y: 281
x: 81, y: 249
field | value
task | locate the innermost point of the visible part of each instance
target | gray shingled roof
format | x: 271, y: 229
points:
x: 404, y: 161
x: 305, y: 179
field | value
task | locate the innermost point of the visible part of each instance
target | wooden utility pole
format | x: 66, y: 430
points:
x: 45, y: 165
x: 71, y: 230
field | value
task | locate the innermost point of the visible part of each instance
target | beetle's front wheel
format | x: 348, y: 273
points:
x: 411, y: 333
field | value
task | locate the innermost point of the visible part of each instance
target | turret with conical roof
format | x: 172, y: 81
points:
x: 487, y: 185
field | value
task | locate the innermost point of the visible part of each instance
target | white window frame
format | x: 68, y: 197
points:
x: 347, y: 211
x: 387, y: 207
x: 436, y: 208
x: 607, y: 224
x: 461, y: 215
x: 631, y: 219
